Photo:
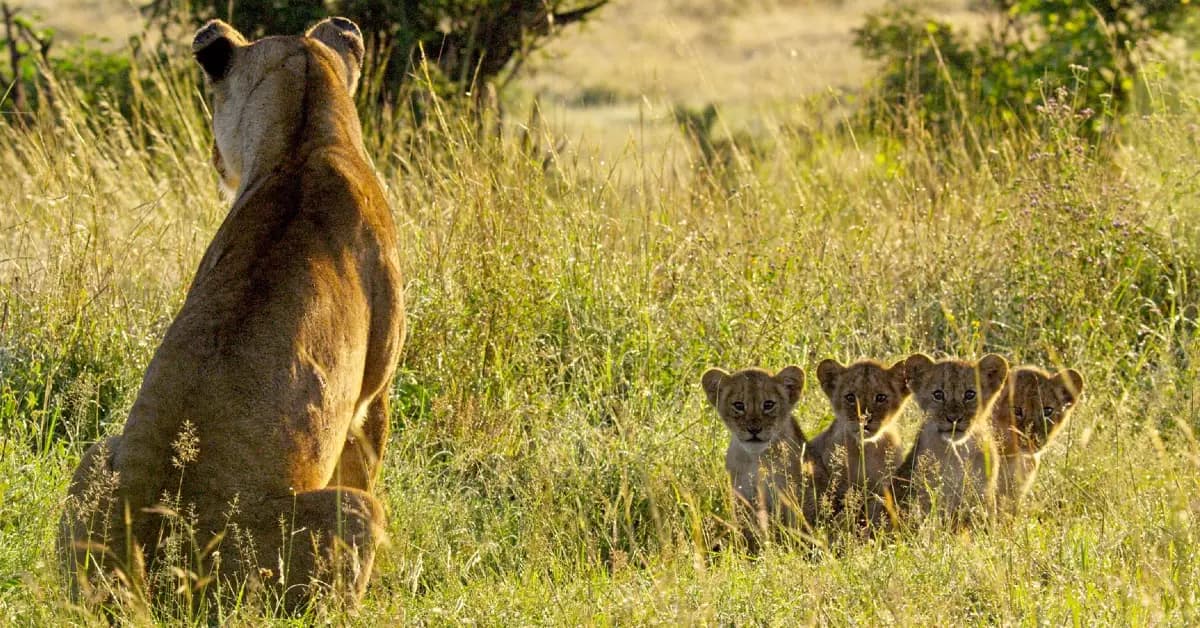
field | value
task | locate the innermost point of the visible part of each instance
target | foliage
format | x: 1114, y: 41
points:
x: 100, y: 74
x: 471, y: 43
x: 21, y: 46
x: 1030, y: 49
x: 44, y: 68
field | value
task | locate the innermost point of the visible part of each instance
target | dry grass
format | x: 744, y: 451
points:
x: 617, y: 78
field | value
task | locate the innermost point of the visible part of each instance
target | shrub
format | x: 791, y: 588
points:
x: 939, y: 74
x: 470, y: 43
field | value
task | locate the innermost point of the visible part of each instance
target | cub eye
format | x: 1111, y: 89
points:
x: 850, y: 398
x: 1019, y: 413
x: 939, y: 395
x: 739, y: 406
x: 768, y: 405
x: 969, y: 395
x: 1047, y: 411
x: 880, y: 398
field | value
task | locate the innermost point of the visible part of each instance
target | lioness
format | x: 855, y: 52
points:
x: 773, y: 471
x: 277, y: 367
x: 1030, y: 410
x: 953, y: 462
x: 861, y: 448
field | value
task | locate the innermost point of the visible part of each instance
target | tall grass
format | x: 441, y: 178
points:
x: 552, y: 459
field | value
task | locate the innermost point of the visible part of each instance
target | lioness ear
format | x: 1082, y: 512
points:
x: 828, y: 372
x: 993, y: 370
x: 346, y: 40
x: 711, y: 382
x: 792, y: 377
x: 1071, y: 384
x: 915, y: 368
x: 214, y: 46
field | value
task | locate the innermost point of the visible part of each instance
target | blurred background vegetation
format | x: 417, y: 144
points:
x: 1027, y: 50
x: 996, y: 58
x: 928, y: 66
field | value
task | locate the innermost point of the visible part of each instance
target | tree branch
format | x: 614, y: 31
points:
x: 576, y: 15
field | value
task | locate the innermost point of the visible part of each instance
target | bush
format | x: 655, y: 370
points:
x: 468, y: 42
x: 940, y: 74
x: 41, y: 68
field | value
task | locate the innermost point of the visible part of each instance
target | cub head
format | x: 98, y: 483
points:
x: 263, y: 90
x: 1040, y: 403
x: 755, y: 406
x: 953, y: 394
x: 866, y: 396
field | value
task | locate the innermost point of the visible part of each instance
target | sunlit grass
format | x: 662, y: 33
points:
x: 552, y: 459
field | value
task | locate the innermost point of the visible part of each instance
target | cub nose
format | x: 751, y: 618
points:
x: 754, y: 430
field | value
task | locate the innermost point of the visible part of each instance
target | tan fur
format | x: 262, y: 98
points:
x: 283, y: 352
x: 861, y: 448
x: 1031, y: 409
x: 953, y: 463
x: 774, y: 474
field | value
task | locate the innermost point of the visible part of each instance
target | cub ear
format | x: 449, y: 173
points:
x: 828, y: 372
x: 916, y: 366
x: 1070, y: 382
x: 344, y: 37
x: 214, y: 46
x: 993, y: 370
x: 711, y: 382
x: 792, y: 377
x: 899, y: 375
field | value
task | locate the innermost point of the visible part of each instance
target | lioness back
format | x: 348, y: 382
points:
x: 279, y: 361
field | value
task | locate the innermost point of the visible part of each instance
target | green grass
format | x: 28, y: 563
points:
x: 552, y: 459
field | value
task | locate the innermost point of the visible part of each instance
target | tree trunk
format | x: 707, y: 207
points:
x: 18, y: 88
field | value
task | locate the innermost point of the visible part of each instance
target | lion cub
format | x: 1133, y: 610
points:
x: 952, y: 464
x: 861, y: 448
x: 771, y: 466
x: 1033, y: 406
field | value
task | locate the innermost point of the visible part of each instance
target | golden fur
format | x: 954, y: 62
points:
x: 277, y: 367
x: 861, y: 448
x: 1030, y: 410
x: 771, y: 467
x: 953, y: 463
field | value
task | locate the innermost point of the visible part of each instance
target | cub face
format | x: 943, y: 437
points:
x: 866, y: 396
x: 953, y: 394
x: 255, y: 83
x: 755, y: 406
x: 1041, y: 403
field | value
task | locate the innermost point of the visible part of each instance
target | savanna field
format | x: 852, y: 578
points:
x: 553, y: 459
